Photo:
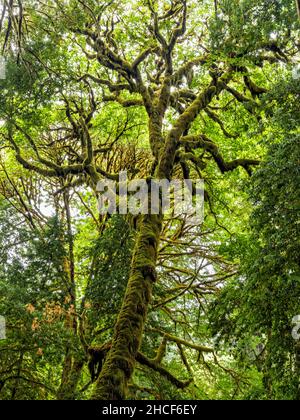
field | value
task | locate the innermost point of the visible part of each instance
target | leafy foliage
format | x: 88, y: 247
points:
x: 149, y: 307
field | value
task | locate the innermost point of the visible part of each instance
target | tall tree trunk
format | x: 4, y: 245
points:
x: 73, y: 363
x: 70, y: 378
x: 67, y: 367
x: 297, y: 353
x: 119, y: 364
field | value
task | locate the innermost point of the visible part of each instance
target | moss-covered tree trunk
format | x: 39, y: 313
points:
x: 297, y: 354
x: 70, y: 379
x: 119, y: 364
x: 74, y: 361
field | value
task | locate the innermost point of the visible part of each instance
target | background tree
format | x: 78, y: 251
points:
x: 256, y: 310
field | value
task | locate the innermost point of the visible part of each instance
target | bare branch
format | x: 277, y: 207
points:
x: 144, y: 360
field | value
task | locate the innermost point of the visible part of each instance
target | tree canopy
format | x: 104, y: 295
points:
x: 149, y: 306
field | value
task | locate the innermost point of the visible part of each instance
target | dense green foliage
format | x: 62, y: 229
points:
x: 256, y: 310
x: 149, y: 307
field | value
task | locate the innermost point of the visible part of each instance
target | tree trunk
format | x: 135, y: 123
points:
x: 119, y: 364
x: 297, y: 353
x: 70, y: 378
